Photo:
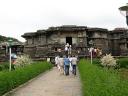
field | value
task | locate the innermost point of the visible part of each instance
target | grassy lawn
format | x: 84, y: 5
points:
x: 123, y: 73
x: 98, y: 81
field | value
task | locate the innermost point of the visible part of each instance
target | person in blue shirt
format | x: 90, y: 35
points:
x: 66, y: 65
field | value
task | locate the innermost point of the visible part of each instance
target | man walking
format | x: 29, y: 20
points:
x: 74, y: 63
x: 66, y: 65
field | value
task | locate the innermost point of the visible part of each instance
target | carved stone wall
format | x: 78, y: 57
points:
x: 50, y: 40
x: 30, y: 50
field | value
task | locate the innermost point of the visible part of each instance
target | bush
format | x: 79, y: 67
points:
x: 22, y: 61
x: 123, y: 62
x: 10, y: 80
x: 108, y: 61
x: 1, y: 67
x: 4, y: 66
x: 97, y: 81
x: 96, y: 62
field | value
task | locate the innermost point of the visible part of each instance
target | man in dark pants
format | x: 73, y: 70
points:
x: 66, y: 65
x: 74, y: 63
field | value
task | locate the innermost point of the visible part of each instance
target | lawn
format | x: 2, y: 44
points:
x: 98, y: 81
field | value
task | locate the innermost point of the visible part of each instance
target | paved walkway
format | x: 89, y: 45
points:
x: 52, y: 83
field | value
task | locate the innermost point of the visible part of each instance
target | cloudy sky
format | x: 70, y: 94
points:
x: 20, y: 16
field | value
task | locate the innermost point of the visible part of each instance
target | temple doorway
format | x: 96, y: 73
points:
x: 69, y: 40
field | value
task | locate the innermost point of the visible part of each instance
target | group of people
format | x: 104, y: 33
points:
x: 96, y: 52
x: 66, y: 64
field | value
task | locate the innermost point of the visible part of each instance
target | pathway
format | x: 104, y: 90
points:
x: 52, y: 83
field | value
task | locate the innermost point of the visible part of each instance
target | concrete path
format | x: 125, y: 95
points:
x: 52, y: 83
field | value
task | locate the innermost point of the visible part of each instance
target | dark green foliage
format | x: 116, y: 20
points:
x: 97, y: 81
x: 96, y: 62
x: 4, y: 66
x: 123, y: 62
x: 3, y: 39
x: 10, y: 80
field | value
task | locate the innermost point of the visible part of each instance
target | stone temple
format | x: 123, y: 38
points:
x: 47, y: 42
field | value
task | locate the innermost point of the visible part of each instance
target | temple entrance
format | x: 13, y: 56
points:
x: 69, y: 40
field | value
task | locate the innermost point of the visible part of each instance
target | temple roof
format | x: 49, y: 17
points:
x: 41, y: 31
x: 119, y: 30
x: 73, y: 28
x: 97, y: 29
x: 29, y: 34
x: 67, y: 28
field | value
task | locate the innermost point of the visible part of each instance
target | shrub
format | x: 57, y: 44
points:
x: 108, y: 61
x: 1, y: 67
x: 96, y: 62
x: 10, y: 80
x: 123, y: 62
x: 4, y: 66
x: 22, y: 61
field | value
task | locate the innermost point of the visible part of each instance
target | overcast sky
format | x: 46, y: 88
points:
x: 20, y: 16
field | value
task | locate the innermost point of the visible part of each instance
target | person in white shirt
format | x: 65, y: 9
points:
x: 70, y: 49
x: 74, y: 61
x: 57, y: 61
x: 66, y: 48
x: 61, y: 64
x: 70, y: 66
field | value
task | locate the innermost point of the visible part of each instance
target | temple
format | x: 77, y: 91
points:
x: 47, y: 42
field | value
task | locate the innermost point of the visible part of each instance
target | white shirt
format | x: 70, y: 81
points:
x: 74, y: 60
x: 61, y: 61
x: 56, y: 60
x: 66, y: 48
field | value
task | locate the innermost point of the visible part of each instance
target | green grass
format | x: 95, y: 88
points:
x: 10, y: 80
x: 97, y: 81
